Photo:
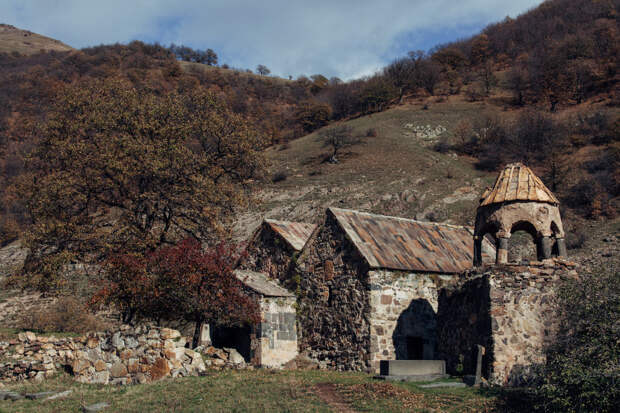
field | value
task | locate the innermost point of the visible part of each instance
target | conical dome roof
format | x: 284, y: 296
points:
x: 517, y: 182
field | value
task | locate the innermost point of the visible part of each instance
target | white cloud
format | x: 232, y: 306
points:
x: 338, y: 37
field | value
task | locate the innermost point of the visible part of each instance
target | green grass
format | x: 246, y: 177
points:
x: 252, y: 391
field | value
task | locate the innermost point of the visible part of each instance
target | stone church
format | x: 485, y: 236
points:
x: 371, y: 287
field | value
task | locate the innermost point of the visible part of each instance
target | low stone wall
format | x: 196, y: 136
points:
x: 129, y: 355
x: 508, y: 309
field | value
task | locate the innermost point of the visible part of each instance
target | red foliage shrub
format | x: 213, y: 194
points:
x: 179, y: 282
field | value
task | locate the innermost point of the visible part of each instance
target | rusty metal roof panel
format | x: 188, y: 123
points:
x: 262, y: 284
x: 409, y: 245
x: 295, y: 233
x: 517, y: 182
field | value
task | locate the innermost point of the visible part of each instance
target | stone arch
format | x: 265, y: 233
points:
x: 415, y: 335
x: 518, y: 245
x: 485, y: 230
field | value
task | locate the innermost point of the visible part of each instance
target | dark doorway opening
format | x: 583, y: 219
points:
x: 415, y: 335
x: 415, y: 348
x: 233, y: 337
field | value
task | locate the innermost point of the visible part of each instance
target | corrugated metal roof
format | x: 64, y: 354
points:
x: 409, y: 245
x: 517, y: 182
x: 262, y: 284
x: 295, y: 233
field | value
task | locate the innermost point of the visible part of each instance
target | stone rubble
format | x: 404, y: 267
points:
x: 127, y: 356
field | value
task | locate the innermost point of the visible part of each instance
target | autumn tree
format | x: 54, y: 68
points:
x: 338, y: 138
x: 181, y: 282
x: 262, y: 70
x: 311, y: 115
x: 401, y: 73
x: 121, y: 169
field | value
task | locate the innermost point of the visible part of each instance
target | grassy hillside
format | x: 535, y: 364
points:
x: 396, y: 172
x: 24, y: 42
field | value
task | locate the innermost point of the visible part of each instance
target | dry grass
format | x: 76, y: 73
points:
x: 253, y: 391
x: 24, y: 42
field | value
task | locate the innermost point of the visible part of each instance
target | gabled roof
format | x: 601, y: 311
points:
x: 296, y: 234
x: 262, y: 284
x: 517, y: 182
x: 409, y: 245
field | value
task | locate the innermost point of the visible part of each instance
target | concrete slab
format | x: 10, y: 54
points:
x: 444, y: 384
x: 412, y: 367
x: 414, y: 377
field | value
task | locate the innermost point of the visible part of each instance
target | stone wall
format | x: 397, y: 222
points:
x: 509, y: 310
x: 270, y: 254
x: 129, y: 355
x: 403, y: 308
x: 333, y: 301
x: 277, y: 333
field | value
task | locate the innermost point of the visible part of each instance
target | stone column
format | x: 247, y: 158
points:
x: 561, y: 247
x: 502, y: 251
x: 545, y: 245
x: 477, y: 251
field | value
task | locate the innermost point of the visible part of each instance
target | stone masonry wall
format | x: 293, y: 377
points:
x: 129, y: 355
x: 463, y: 321
x: 270, y: 254
x: 277, y: 332
x: 402, y: 306
x: 510, y: 309
x: 333, y: 302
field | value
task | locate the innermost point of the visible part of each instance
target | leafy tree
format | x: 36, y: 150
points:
x: 262, y: 70
x: 179, y: 282
x: 338, y: 137
x: 122, y: 169
x: 312, y: 115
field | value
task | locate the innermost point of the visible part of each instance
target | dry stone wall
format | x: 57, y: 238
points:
x: 509, y: 310
x: 333, y: 302
x: 129, y: 355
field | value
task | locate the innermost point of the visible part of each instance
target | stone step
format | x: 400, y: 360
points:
x: 412, y: 367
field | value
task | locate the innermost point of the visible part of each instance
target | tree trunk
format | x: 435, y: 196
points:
x: 197, y: 331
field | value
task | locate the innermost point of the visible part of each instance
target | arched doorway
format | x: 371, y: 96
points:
x: 415, y: 335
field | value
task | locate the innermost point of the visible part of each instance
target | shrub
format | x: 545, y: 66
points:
x: 67, y: 314
x: 442, y: 145
x: 583, y: 364
x: 279, y: 177
x: 371, y: 133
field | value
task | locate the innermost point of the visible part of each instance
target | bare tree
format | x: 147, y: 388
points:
x: 337, y: 138
x: 401, y: 74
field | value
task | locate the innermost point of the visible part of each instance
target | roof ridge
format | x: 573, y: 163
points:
x: 404, y: 219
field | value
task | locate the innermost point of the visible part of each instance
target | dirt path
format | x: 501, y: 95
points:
x: 327, y: 392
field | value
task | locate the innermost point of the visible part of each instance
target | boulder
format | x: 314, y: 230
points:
x: 169, y: 333
x: 118, y: 370
x: 234, y: 356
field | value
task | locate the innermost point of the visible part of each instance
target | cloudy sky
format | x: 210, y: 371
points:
x: 345, y: 38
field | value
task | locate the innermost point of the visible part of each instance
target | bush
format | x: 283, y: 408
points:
x: 371, y: 133
x: 66, y: 315
x: 583, y: 364
x: 279, y: 177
